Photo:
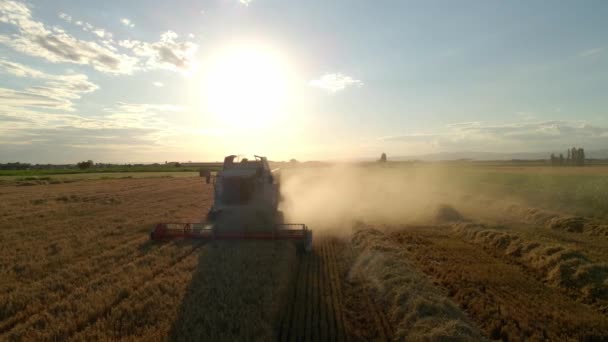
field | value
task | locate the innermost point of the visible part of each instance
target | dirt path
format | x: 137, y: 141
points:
x: 499, y: 295
x: 325, y: 305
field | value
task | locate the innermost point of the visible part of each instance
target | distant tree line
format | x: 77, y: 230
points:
x: 575, y: 157
x: 81, y: 165
x: 28, y: 166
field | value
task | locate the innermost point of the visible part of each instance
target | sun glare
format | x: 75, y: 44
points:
x: 246, y: 86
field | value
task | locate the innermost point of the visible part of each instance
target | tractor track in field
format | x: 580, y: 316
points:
x: 321, y: 303
x: 91, y: 319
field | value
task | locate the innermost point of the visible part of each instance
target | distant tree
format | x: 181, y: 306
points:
x: 569, y: 160
x: 580, y: 157
x: 85, y: 164
x: 574, y: 156
x: 177, y: 164
x: 561, y: 159
x: 553, y: 159
x: 382, y: 158
x: 293, y: 161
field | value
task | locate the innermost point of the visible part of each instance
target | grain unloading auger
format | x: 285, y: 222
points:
x: 245, y: 207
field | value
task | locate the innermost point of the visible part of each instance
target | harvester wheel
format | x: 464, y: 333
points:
x: 305, y: 247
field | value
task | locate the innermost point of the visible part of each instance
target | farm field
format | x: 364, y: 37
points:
x: 387, y: 264
x: 69, y: 177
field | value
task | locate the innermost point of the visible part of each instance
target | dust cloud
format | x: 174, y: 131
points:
x: 333, y: 197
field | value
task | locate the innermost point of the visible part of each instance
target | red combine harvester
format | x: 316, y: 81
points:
x: 245, y: 207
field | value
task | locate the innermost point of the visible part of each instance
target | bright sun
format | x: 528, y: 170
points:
x: 246, y: 86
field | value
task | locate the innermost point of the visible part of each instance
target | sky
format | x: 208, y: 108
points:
x: 155, y: 81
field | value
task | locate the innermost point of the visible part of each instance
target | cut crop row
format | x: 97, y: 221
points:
x: 416, y: 308
x: 560, y: 266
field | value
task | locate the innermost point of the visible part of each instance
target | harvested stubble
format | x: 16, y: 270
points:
x: 559, y: 266
x: 236, y: 292
x: 417, y: 309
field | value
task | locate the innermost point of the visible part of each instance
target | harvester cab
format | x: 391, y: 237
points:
x: 246, y: 206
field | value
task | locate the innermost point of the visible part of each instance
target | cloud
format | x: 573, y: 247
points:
x: 158, y: 84
x: 87, y: 27
x: 66, y: 17
x: 57, y: 92
x: 36, y: 136
x: 55, y: 45
x: 35, y: 39
x: 523, y: 136
x: 101, y: 33
x: 526, y: 115
x: 123, y: 107
x: 142, y: 115
x: 168, y: 53
x: 127, y: 22
x: 335, y: 82
x: 71, y: 144
x: 591, y: 52
x: 245, y: 2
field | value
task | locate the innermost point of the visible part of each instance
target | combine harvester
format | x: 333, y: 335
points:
x: 245, y: 207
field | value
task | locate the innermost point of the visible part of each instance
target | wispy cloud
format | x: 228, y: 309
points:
x: 69, y: 137
x: 335, y: 82
x: 591, y: 52
x: 158, y: 84
x: 132, y: 108
x: 35, y: 39
x: 87, y: 27
x: 540, y: 135
x: 168, y: 53
x: 103, y: 53
x: 66, y: 17
x: 245, y: 2
x: 127, y: 22
x: 57, y: 92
